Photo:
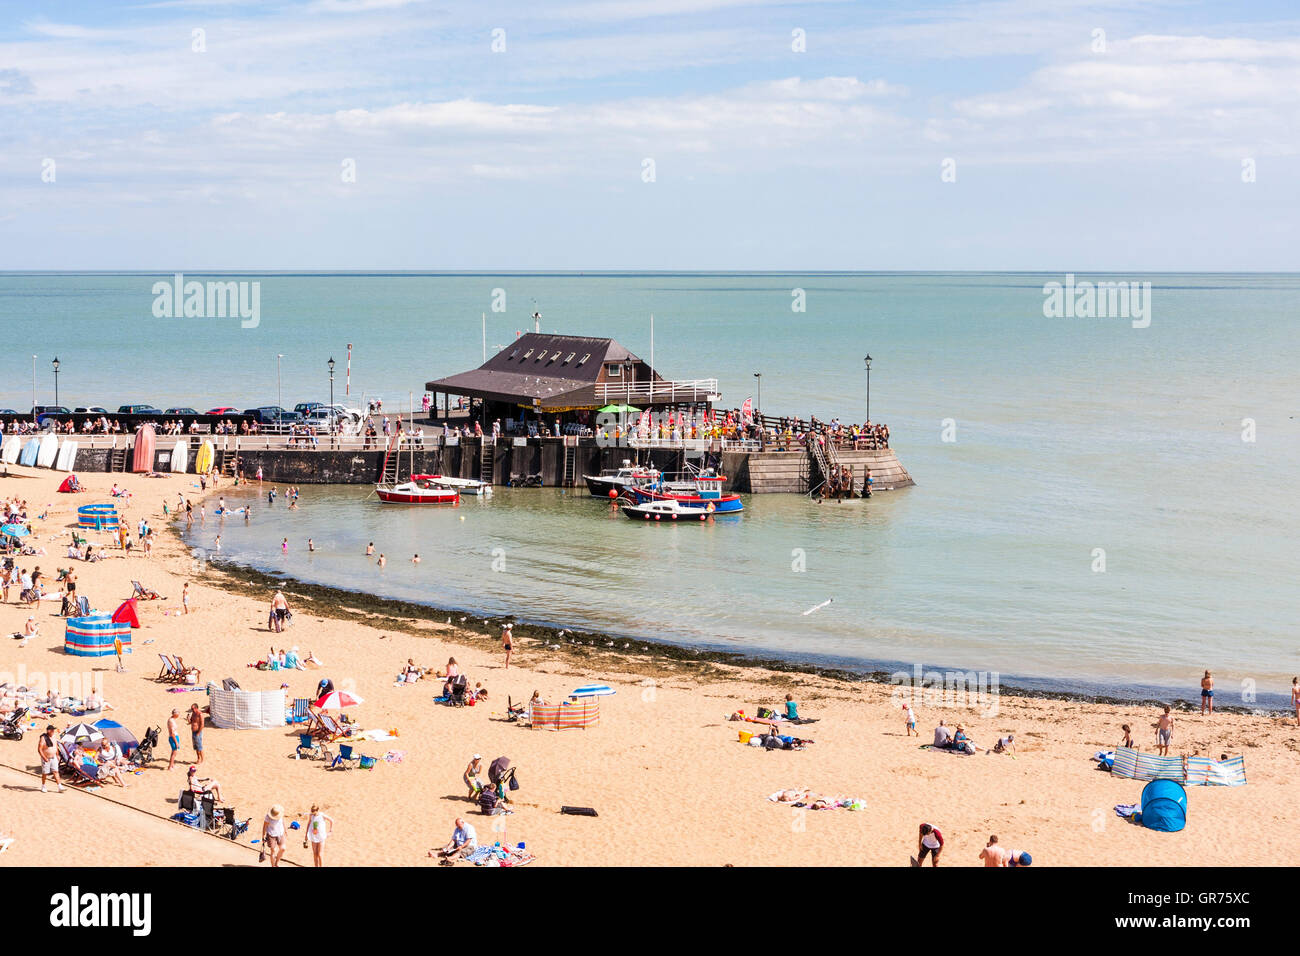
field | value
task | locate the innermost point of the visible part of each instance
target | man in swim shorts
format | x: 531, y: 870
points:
x: 196, y: 732
x: 1207, y: 694
x: 173, y: 736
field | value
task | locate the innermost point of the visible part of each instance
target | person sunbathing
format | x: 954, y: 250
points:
x: 962, y: 742
x: 109, y: 754
x: 197, y: 784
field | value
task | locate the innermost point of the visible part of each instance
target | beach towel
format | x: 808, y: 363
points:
x: 395, y: 756
x: 946, y: 750
x: 1128, y: 811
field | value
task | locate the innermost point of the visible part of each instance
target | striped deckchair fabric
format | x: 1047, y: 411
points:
x: 1140, y: 766
x: 585, y: 713
x: 301, y: 710
x: 1204, y: 772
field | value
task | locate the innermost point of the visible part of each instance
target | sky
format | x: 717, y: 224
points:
x: 649, y: 135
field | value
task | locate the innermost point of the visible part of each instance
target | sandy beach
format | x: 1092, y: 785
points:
x: 664, y: 769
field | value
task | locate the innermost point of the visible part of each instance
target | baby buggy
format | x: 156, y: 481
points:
x: 143, y: 755
x: 12, y: 727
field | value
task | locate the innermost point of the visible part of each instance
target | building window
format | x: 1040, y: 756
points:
x: 569, y: 358
x: 614, y: 371
x: 584, y: 358
x: 526, y: 355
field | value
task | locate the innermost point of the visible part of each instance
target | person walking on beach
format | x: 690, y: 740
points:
x: 930, y: 841
x: 1295, y: 698
x: 185, y: 598
x: 279, y: 611
x: 1128, y: 736
x: 1164, y: 732
x: 173, y: 735
x: 319, y: 828
x: 273, y: 834
x: 909, y: 720
x: 1207, y: 694
x: 196, y: 732
x: 49, y: 758
x: 284, y: 546
x: 506, y: 644
x: 216, y: 544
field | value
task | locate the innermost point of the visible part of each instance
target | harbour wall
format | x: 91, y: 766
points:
x: 560, y: 462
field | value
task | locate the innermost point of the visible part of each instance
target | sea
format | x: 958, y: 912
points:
x: 1103, y: 503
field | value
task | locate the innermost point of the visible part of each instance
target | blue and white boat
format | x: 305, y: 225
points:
x: 703, y: 493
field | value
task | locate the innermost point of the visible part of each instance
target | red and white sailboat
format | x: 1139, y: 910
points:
x: 418, y: 490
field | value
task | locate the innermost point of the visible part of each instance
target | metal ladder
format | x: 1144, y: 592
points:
x: 117, y: 459
x: 392, y: 460
x: 570, y: 466
x: 486, y: 462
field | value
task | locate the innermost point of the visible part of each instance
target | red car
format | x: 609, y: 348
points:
x: 223, y: 410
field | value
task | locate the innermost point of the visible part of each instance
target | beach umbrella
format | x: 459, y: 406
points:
x: 79, y: 732
x: 592, y: 690
x: 14, y: 530
x: 337, y: 700
x: 618, y: 409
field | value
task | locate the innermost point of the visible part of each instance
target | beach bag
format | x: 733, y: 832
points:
x: 766, y: 713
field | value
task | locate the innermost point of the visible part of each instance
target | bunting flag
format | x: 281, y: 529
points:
x: 747, y: 411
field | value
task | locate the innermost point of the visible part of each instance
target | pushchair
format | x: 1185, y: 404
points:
x: 143, y: 755
x: 12, y: 727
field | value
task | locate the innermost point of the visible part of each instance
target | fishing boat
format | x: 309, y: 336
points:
x: 666, y: 510
x: 703, y: 492
x: 618, y: 479
x: 418, y: 493
x: 466, y: 486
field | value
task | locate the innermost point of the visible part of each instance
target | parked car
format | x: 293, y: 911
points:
x: 9, y: 411
x: 39, y: 410
x: 222, y: 410
x: 306, y: 408
x: 92, y: 409
x: 181, y: 411
x: 273, y: 415
x: 138, y: 410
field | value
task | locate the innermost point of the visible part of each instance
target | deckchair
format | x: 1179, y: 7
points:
x: 169, y: 671
x: 331, y: 726
x: 301, y: 710
x: 183, y: 672
x: 147, y: 594
x: 321, y: 730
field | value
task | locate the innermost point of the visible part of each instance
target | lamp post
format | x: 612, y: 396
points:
x: 867, y: 360
x: 279, y: 402
x: 333, y: 414
x: 55, y: 363
x: 33, y: 388
x: 758, y: 377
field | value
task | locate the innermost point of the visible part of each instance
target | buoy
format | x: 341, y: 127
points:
x: 647, y: 517
x: 656, y: 517
x: 704, y: 517
x: 613, y: 494
x: 674, y: 517
x: 462, y: 517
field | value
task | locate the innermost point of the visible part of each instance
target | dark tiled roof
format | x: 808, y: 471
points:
x: 537, y: 365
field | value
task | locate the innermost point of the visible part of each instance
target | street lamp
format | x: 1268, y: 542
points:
x: 279, y: 402
x: 55, y: 363
x: 330, y: 363
x: 758, y: 376
x: 867, y: 360
x: 33, y: 388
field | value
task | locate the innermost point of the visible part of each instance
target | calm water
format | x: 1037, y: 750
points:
x: 1071, y: 435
